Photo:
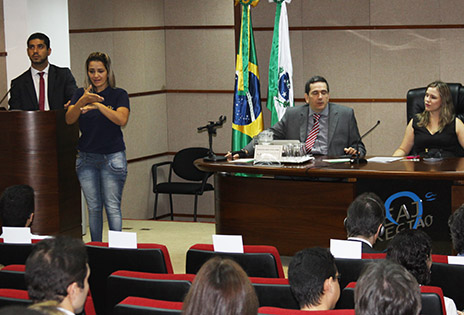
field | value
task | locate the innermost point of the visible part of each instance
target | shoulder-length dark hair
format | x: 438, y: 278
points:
x: 412, y: 249
x: 447, y: 106
x: 221, y: 287
x: 106, y: 60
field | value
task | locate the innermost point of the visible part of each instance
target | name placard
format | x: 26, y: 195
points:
x: 268, y: 153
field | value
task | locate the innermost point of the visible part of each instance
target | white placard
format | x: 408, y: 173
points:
x: 268, y: 153
x: 456, y: 260
x: 228, y: 243
x: 346, y: 249
x: 17, y: 235
x: 118, y: 239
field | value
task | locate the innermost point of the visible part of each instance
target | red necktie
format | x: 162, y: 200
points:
x: 42, y: 92
x: 309, y: 143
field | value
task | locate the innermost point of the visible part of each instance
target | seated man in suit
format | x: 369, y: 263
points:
x: 386, y: 288
x: 364, y: 221
x: 313, y: 278
x: 456, y: 225
x: 43, y: 86
x: 57, y: 270
x: 325, y: 128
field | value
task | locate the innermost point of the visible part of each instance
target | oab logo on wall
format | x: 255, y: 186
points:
x: 405, y: 210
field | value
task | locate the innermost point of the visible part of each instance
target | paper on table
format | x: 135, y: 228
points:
x: 228, y: 243
x: 384, y: 159
x: 118, y: 239
x: 346, y: 249
x: 337, y: 160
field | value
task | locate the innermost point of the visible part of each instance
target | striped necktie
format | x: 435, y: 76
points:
x: 309, y: 143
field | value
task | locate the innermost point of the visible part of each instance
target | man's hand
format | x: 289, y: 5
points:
x: 236, y: 155
x: 67, y: 105
x: 349, y: 151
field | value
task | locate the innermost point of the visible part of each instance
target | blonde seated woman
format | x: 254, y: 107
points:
x: 435, y: 132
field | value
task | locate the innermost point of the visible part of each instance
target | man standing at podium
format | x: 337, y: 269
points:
x: 43, y: 86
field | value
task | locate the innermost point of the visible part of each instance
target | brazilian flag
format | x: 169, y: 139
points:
x: 248, y: 117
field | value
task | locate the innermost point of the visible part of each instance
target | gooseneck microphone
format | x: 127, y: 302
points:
x: 358, y: 159
x: 3, y: 98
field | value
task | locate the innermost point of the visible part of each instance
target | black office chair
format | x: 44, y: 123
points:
x: 415, y: 100
x: 182, y: 165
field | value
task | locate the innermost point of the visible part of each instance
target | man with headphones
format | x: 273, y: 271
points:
x: 364, y: 221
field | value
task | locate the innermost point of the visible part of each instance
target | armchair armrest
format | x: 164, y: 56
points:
x: 154, y: 171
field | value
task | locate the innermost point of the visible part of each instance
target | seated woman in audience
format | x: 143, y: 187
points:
x: 435, y: 132
x: 221, y: 287
x: 413, y: 250
x: 456, y: 225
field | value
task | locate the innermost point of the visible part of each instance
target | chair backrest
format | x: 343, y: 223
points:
x: 14, y: 297
x: 104, y: 260
x: 142, y: 306
x: 257, y: 261
x: 275, y: 292
x: 283, y: 311
x: 12, y: 277
x: 415, y: 100
x: 350, y: 269
x: 441, y: 277
x: 168, y: 287
x: 432, y: 299
x: 11, y: 254
x: 440, y: 258
x: 182, y: 164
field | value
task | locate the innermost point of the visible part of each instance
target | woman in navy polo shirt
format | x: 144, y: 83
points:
x: 101, y: 163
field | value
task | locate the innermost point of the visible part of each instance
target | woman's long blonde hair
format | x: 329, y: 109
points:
x: 446, y: 110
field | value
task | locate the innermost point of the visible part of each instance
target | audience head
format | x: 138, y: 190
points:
x: 386, y: 288
x: 412, y: 249
x: 365, y: 216
x: 106, y: 62
x: 313, y: 278
x: 221, y: 287
x: 17, y: 206
x: 57, y: 270
x: 456, y: 225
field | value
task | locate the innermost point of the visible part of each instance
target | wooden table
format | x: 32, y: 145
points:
x: 288, y: 206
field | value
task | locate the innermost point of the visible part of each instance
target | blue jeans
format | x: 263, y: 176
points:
x: 102, y: 178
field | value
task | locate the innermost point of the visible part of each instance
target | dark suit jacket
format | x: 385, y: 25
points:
x: 61, y: 87
x: 343, y: 128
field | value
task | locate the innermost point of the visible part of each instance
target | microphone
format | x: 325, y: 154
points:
x: 358, y: 159
x: 3, y: 98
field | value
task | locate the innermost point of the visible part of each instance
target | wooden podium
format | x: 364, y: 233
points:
x: 39, y: 149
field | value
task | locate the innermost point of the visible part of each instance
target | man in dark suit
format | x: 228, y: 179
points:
x: 59, y: 83
x: 364, y: 221
x: 338, y: 130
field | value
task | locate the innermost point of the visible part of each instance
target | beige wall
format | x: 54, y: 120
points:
x: 359, y: 64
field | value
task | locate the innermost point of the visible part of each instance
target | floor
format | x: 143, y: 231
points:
x: 178, y: 236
